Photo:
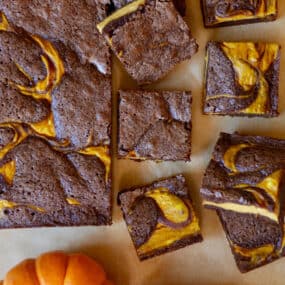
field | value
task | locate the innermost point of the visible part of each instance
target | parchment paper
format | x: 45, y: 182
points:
x: 206, y: 263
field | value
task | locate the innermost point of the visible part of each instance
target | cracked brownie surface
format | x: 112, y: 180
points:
x: 244, y: 182
x: 160, y: 216
x: 154, y: 125
x: 149, y: 38
x: 55, y: 120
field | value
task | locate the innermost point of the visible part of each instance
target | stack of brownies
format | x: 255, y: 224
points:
x: 55, y: 122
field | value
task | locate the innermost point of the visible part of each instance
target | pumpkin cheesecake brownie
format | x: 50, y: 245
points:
x: 160, y: 217
x: 71, y: 22
x: 55, y: 120
x: 242, y: 79
x: 154, y: 125
x: 245, y: 184
x: 234, y: 12
x: 149, y: 37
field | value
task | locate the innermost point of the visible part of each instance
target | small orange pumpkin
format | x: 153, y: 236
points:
x: 57, y: 268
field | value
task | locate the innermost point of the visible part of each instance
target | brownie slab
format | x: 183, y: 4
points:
x: 149, y: 38
x: 245, y: 183
x: 234, y: 12
x: 242, y: 79
x: 71, y: 22
x: 254, y: 240
x: 160, y: 217
x: 154, y: 125
x: 55, y: 121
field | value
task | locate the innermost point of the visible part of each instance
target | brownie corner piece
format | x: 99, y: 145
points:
x: 245, y: 183
x: 154, y: 125
x: 149, y: 38
x: 242, y: 79
x: 218, y: 13
x: 160, y: 217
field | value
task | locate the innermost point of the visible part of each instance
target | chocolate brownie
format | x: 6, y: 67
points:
x: 160, y: 217
x: 154, y: 125
x: 50, y: 188
x: 71, y: 22
x: 180, y: 5
x: 149, y: 37
x: 54, y: 134
x: 234, y: 12
x: 242, y: 79
x: 6, y: 135
x: 245, y: 183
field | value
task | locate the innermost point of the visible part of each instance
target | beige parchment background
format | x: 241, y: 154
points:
x: 206, y: 263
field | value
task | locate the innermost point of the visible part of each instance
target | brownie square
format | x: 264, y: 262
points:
x: 235, y: 12
x: 154, y: 125
x: 160, y: 217
x: 245, y: 183
x: 55, y: 120
x: 242, y: 79
x: 149, y: 37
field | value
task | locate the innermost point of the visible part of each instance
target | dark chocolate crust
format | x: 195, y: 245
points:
x: 243, y: 263
x: 213, y: 8
x: 142, y: 214
x: 155, y: 124
x: 73, y: 22
x: 220, y: 78
x: 151, y: 41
